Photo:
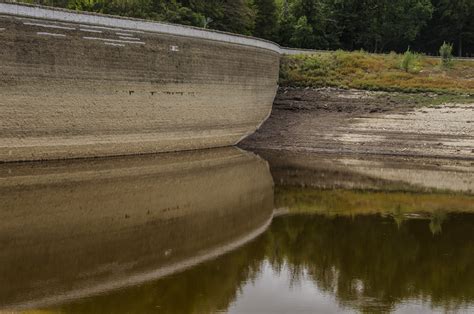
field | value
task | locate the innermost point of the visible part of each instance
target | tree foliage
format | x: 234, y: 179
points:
x: 266, y: 21
x: 372, y: 25
x: 453, y: 21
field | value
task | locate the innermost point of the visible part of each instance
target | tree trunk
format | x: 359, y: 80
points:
x: 460, y: 46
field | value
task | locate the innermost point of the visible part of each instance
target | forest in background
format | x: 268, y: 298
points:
x: 371, y: 25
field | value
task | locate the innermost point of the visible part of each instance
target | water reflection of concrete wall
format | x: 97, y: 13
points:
x: 71, y: 229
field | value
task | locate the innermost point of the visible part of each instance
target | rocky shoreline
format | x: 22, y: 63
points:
x: 338, y: 121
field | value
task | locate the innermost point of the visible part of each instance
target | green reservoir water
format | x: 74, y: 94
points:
x: 227, y: 231
x: 318, y: 264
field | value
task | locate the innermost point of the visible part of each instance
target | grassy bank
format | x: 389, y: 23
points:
x: 362, y: 70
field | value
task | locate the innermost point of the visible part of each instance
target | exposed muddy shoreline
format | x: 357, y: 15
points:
x: 337, y: 121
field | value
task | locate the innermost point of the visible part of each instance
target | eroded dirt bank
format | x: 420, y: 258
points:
x: 362, y: 122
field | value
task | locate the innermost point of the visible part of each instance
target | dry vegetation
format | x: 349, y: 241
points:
x: 362, y: 70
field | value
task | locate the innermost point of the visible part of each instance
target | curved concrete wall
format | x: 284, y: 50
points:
x: 86, y: 85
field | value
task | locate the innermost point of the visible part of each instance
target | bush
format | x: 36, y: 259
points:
x: 375, y: 72
x: 410, y: 61
x: 446, y: 53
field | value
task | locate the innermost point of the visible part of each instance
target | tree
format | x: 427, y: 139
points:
x: 53, y: 3
x: 373, y: 25
x: 303, y: 34
x: 350, y: 21
x: 286, y: 23
x: 381, y: 25
x: 266, y: 22
x: 237, y: 17
x: 453, y: 21
x: 403, y: 22
x: 210, y: 10
x: 309, y: 17
x: 317, y: 15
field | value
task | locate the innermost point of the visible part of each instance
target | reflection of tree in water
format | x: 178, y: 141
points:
x: 366, y: 262
x: 436, y: 218
x: 398, y: 216
x: 436, y: 222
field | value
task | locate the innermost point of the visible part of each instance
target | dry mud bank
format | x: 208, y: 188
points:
x: 361, y: 122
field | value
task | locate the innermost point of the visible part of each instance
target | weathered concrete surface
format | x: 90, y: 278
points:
x: 72, y: 90
x: 71, y: 229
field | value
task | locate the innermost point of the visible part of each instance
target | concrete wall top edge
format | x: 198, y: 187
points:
x: 64, y: 15
x: 299, y: 51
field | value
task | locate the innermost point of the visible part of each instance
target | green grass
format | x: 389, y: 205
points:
x: 362, y: 70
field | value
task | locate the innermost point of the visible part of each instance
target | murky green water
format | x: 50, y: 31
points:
x: 319, y: 264
x: 207, y: 232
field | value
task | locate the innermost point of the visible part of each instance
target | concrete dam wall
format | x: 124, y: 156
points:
x: 78, y: 85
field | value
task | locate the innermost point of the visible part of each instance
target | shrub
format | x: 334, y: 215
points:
x: 410, y: 61
x: 446, y: 53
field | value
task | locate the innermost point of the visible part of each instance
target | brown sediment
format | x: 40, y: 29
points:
x: 340, y: 121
